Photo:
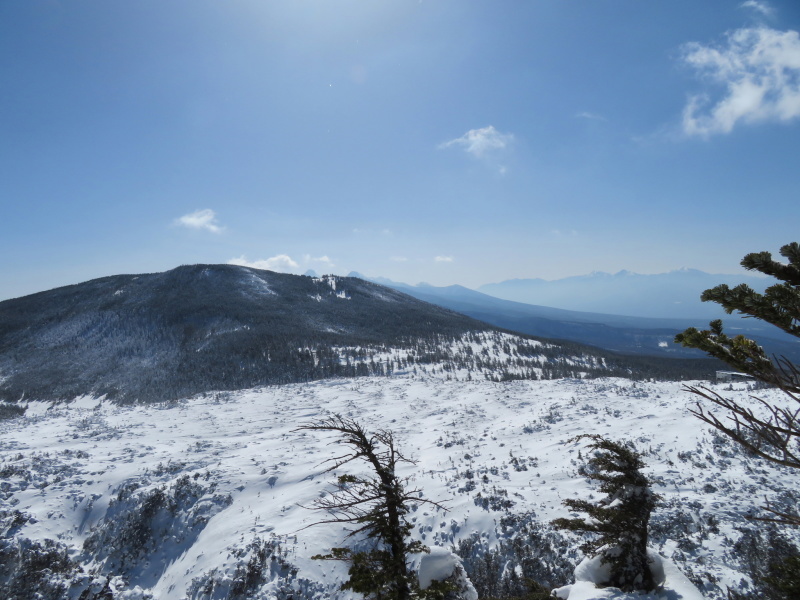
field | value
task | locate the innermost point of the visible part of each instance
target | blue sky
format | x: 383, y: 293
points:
x: 447, y: 141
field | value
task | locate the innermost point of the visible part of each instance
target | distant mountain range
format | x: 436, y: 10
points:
x: 223, y: 327
x: 665, y: 295
x: 625, y: 334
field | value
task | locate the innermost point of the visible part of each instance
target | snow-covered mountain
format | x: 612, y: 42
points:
x: 201, y: 327
x: 204, y: 492
x: 208, y: 497
x: 664, y: 295
x: 223, y: 327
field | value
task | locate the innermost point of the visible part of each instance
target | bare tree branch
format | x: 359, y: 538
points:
x: 773, y: 437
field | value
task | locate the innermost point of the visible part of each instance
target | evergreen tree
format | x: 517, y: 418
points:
x: 771, y: 432
x: 620, y: 519
x: 377, y: 504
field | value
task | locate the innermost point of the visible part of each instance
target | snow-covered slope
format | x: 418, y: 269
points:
x: 208, y: 497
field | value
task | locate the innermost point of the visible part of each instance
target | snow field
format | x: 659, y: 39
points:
x: 485, y: 450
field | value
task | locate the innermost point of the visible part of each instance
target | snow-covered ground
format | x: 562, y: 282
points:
x: 182, y: 499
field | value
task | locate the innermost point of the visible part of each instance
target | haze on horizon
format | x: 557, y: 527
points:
x: 438, y: 141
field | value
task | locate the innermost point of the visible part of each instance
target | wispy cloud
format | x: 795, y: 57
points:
x: 398, y: 258
x: 200, y: 219
x: 759, y: 6
x: 282, y: 263
x: 444, y: 259
x: 759, y: 69
x: 369, y: 231
x: 590, y: 116
x: 480, y: 142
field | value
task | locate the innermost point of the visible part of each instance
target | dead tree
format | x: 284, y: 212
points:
x: 377, y: 505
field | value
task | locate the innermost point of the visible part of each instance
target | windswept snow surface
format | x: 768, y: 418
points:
x: 226, y: 479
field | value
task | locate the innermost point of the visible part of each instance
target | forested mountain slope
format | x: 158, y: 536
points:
x: 199, y: 327
x: 222, y: 327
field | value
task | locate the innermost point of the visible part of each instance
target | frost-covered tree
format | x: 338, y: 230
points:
x: 377, y: 504
x: 771, y: 431
x: 620, y: 519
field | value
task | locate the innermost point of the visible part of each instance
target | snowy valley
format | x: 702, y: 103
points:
x: 209, y: 497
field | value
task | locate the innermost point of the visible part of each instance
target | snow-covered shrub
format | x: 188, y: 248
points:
x: 496, y: 500
x: 37, y: 569
x: 529, y: 555
x: 261, y: 569
x: 263, y: 559
x: 10, y: 411
x: 771, y: 560
x: 142, y: 525
x: 32, y: 569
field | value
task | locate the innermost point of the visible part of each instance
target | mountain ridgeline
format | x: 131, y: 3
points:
x: 646, y: 336
x: 200, y: 328
x: 673, y: 295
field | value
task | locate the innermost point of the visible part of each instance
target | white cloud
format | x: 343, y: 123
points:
x: 480, y: 142
x: 444, y: 259
x: 200, y: 219
x: 282, y: 263
x: 760, y: 71
x: 320, y: 260
x: 758, y: 6
x: 398, y: 258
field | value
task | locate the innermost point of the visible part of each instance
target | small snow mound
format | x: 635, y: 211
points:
x: 136, y: 593
x: 673, y: 585
x: 657, y: 568
x: 441, y: 564
x: 593, y: 570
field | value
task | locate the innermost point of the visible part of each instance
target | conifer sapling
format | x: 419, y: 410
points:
x: 620, y: 519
